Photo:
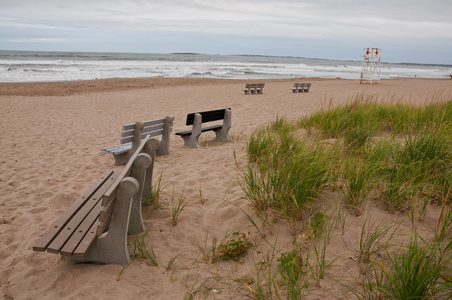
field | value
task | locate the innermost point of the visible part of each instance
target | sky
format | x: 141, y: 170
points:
x: 416, y: 31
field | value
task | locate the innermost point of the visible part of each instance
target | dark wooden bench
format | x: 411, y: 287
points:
x: 132, y: 134
x: 254, y: 88
x: 95, y: 227
x: 301, y: 87
x: 191, y: 137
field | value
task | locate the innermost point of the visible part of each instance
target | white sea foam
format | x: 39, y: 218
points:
x: 61, y: 66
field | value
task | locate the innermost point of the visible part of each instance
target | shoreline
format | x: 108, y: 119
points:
x: 78, y: 87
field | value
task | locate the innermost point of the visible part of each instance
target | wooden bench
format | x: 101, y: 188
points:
x: 132, y: 134
x: 95, y: 227
x: 254, y: 88
x: 301, y: 87
x: 191, y: 137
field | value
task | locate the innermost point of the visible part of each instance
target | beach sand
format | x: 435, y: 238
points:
x: 50, y: 145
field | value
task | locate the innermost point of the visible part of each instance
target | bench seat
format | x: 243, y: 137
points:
x: 80, y: 216
x: 116, y: 150
x: 204, y: 129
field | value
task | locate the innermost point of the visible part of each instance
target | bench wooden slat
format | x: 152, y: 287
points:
x: 209, y: 128
x: 153, y: 130
x: 122, y: 149
x: 204, y: 129
x: 184, y: 133
x: 105, y: 212
x: 118, y: 148
x: 87, y: 241
x: 153, y: 122
x: 77, y: 221
x: 83, y: 229
x: 106, y: 216
x: 128, y: 127
x: 151, y: 133
x: 58, y: 225
x: 145, y: 129
x: 207, y: 116
x: 126, y: 133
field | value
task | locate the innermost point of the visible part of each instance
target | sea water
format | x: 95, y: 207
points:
x: 31, y: 66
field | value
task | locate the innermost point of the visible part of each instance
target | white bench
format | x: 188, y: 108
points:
x: 132, y: 134
x: 95, y: 227
x: 254, y: 88
x: 301, y: 87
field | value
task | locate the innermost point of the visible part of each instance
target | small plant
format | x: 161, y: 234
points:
x: 317, y: 224
x: 213, y: 253
x: 291, y: 264
x: 357, y: 183
x: 264, y: 285
x: 235, y: 248
x: 171, y: 261
x: 140, y: 249
x: 371, y: 239
x: 321, y: 266
x: 202, y: 199
x: 153, y: 198
x: 176, y: 208
x: 399, y: 189
x: 444, y: 226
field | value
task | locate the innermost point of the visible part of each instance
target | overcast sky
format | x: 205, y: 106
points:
x: 407, y: 31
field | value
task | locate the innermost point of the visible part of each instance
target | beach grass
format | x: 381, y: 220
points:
x: 368, y: 151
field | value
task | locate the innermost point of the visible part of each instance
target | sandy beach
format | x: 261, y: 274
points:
x: 50, y: 145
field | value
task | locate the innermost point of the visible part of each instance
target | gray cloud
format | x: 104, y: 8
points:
x: 323, y: 22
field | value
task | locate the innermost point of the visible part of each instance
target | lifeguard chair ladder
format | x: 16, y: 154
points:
x: 371, y: 65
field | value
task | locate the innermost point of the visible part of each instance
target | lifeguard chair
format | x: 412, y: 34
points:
x: 371, y: 65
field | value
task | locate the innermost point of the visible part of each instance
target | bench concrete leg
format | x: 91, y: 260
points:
x: 151, y: 148
x: 140, y: 167
x: 223, y: 133
x: 111, y: 247
x: 193, y: 139
x: 164, y: 148
x: 122, y: 159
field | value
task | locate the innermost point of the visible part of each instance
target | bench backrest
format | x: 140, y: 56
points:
x: 255, y: 85
x: 152, y: 128
x: 109, y: 196
x: 301, y: 85
x: 207, y: 116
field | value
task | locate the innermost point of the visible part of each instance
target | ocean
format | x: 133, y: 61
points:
x: 33, y: 66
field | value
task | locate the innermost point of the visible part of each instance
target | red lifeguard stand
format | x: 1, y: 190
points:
x: 371, y: 66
